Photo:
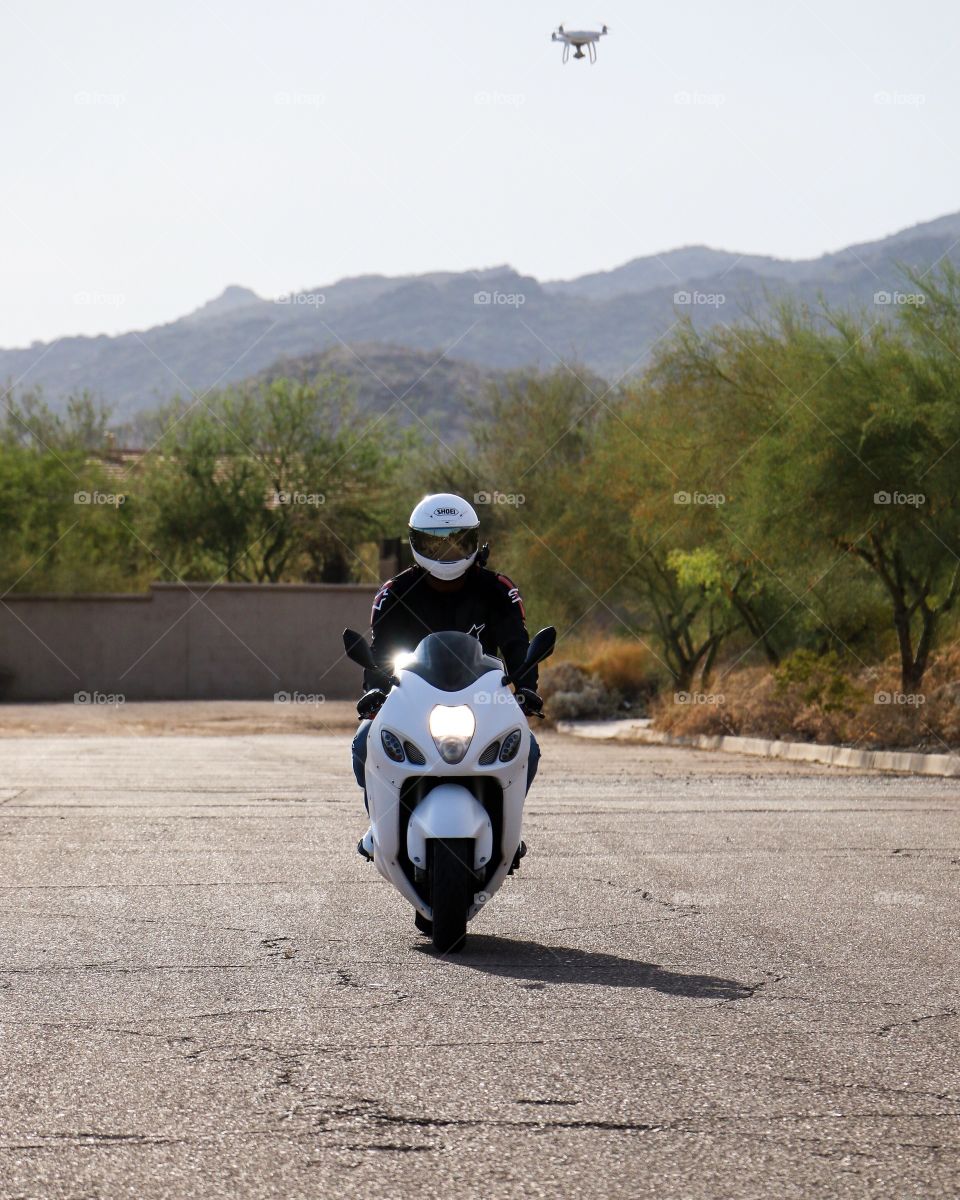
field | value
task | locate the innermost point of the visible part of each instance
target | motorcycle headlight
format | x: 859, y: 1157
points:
x: 452, y: 728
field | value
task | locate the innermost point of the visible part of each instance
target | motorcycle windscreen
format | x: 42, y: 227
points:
x: 451, y: 661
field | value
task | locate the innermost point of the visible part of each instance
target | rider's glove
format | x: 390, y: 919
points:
x: 369, y: 704
x: 530, y: 702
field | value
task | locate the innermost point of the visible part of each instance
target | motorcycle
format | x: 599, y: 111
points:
x: 446, y: 776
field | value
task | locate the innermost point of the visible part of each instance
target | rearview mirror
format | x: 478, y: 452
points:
x: 355, y: 644
x: 541, y: 646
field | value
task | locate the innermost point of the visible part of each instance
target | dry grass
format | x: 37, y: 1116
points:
x: 628, y: 668
x: 828, y: 703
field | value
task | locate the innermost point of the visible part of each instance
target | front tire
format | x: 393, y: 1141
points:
x: 452, y: 886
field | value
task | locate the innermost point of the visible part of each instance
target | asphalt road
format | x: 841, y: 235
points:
x: 713, y: 977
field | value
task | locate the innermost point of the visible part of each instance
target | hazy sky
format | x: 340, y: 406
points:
x: 155, y: 152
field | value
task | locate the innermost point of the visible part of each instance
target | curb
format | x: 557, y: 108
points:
x: 900, y: 761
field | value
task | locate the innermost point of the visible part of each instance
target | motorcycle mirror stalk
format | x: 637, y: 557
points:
x: 541, y: 646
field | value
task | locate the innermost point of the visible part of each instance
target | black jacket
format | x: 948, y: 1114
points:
x: 488, y: 605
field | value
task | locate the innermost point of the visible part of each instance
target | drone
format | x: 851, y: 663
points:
x: 579, y: 38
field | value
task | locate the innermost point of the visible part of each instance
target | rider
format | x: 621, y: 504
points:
x: 448, y: 588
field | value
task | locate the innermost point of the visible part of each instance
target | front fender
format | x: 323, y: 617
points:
x: 449, y: 811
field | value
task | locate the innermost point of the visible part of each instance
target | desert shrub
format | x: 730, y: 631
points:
x: 627, y: 667
x: 571, y: 694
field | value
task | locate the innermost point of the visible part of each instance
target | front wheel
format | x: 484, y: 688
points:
x: 452, y: 886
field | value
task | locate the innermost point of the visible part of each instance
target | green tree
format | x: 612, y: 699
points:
x: 61, y: 527
x: 268, y: 483
x: 863, y: 463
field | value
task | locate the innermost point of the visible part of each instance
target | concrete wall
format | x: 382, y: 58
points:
x: 183, y: 641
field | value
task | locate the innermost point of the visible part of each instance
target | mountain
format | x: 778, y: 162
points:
x: 476, y: 323
x: 674, y: 267
x: 663, y: 270
x: 419, y: 389
x: 229, y: 300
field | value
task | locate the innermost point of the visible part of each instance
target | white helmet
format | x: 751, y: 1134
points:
x: 444, y: 535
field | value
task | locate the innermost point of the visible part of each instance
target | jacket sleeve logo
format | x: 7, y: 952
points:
x: 513, y: 592
x: 379, y: 599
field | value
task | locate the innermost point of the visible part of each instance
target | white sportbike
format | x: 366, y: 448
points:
x: 446, y: 776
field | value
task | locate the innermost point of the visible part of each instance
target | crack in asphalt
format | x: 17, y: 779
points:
x: 396, y: 1146
x: 373, y: 1113
x: 95, y: 1138
x: 328, y: 1118
x: 886, y: 1030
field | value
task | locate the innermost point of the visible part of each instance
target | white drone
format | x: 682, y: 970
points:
x: 579, y: 38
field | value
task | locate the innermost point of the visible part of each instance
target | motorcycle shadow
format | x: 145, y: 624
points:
x: 563, y: 964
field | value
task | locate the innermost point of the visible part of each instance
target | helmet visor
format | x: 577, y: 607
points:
x: 445, y: 545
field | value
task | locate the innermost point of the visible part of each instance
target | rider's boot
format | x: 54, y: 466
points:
x: 365, y: 845
x: 521, y: 853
